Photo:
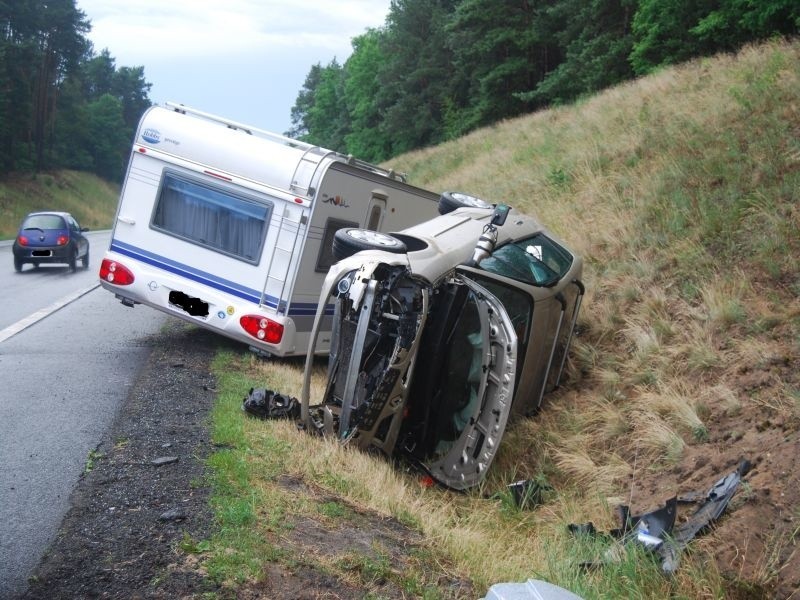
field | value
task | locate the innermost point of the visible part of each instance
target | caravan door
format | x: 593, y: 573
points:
x: 376, y: 209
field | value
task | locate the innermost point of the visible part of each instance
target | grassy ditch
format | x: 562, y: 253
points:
x: 681, y: 192
x: 478, y: 538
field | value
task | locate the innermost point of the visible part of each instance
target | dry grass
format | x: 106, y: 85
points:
x: 669, y: 190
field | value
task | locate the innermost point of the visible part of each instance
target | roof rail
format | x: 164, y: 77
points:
x: 309, y: 148
x: 240, y: 126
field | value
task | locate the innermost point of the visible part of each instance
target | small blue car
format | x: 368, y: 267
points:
x: 51, y: 237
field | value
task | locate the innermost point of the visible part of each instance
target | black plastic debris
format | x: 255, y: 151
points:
x: 657, y: 531
x: 528, y: 493
x: 267, y: 404
x: 579, y: 529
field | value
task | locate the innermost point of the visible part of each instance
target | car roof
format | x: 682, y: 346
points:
x: 60, y: 213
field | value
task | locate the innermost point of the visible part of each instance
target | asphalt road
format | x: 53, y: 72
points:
x: 69, y: 353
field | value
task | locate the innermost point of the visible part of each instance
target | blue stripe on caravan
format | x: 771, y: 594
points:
x: 212, y: 281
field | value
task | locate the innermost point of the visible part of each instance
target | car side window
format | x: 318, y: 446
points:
x: 536, y: 260
x: 519, y: 307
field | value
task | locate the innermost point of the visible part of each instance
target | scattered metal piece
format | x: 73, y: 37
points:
x: 532, y: 589
x: 712, y: 507
x: 164, y: 460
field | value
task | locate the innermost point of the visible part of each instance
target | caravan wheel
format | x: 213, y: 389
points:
x: 449, y: 201
x: 350, y: 240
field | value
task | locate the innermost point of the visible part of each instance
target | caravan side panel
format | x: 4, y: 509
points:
x: 349, y: 196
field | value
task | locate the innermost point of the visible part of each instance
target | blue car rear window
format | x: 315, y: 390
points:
x: 44, y: 222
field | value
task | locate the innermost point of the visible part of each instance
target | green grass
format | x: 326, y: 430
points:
x: 235, y: 550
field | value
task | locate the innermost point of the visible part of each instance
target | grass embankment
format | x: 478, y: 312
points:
x: 91, y: 200
x: 681, y: 192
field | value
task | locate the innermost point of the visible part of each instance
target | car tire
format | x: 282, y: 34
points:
x: 449, y: 201
x: 18, y: 264
x: 350, y: 240
x: 73, y: 261
x: 85, y: 260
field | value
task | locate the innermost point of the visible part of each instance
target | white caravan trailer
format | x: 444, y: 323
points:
x: 231, y: 227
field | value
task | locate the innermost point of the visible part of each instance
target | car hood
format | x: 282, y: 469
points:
x: 366, y: 404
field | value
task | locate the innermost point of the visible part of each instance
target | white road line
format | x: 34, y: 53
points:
x: 14, y: 329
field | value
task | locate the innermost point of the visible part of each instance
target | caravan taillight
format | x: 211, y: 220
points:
x: 262, y: 328
x: 114, y: 272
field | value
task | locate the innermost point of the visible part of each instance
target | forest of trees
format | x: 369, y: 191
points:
x: 62, y: 105
x: 436, y: 70
x: 440, y: 68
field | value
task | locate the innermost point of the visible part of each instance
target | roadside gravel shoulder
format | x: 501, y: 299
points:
x: 144, y: 489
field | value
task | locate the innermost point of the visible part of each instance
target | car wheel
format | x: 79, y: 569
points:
x: 350, y: 240
x: 17, y: 264
x: 449, y: 201
x: 73, y: 261
x: 85, y: 260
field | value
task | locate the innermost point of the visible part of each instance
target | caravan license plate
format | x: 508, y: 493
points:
x: 193, y: 306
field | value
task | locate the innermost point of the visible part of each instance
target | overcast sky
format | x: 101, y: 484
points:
x: 241, y: 59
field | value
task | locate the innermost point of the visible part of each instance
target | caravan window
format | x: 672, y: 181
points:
x: 212, y: 216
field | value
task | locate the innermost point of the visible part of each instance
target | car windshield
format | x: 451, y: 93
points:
x: 44, y: 222
x: 537, y: 260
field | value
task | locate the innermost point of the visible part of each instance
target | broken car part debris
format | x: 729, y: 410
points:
x: 266, y: 404
x: 657, y: 531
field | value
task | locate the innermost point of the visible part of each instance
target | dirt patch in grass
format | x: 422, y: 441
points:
x: 346, y: 552
x: 368, y: 552
x: 755, y: 542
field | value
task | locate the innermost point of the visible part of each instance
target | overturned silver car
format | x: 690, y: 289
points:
x: 440, y: 332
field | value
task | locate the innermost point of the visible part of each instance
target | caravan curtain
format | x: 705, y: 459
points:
x: 212, y: 217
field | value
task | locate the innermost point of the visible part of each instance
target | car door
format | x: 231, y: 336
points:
x: 81, y: 242
x: 463, y: 384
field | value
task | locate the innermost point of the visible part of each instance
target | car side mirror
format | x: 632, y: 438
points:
x: 500, y: 214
